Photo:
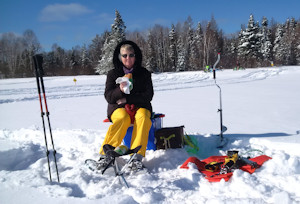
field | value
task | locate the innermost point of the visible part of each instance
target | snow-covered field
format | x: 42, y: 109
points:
x: 260, y: 109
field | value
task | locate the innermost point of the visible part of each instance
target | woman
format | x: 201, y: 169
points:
x: 127, y: 61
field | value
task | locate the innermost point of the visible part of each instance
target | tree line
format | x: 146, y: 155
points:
x: 182, y: 47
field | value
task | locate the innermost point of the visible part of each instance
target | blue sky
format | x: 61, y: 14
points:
x: 72, y: 22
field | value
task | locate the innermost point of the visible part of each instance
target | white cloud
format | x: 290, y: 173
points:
x: 62, y: 12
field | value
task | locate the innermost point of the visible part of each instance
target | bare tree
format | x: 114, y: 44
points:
x: 210, y: 42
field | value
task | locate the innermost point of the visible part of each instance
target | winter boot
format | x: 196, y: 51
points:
x: 136, y: 164
x: 103, y: 162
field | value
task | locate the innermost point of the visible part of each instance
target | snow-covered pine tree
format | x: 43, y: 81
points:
x: 151, y: 63
x: 199, y: 46
x: 285, y: 48
x: 181, y: 55
x: 249, y: 44
x: 85, y: 61
x: 285, y: 43
x: 116, y: 36
x: 173, y: 48
x: 191, y: 50
x: 277, y: 48
x: 266, y: 45
x: 293, y: 42
x: 297, y: 42
x: 187, y: 34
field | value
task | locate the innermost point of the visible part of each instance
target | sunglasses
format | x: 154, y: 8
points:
x: 130, y: 55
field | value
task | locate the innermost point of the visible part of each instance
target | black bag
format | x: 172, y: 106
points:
x: 171, y: 137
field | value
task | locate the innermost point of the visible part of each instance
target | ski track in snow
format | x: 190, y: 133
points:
x: 161, y: 82
x: 23, y: 163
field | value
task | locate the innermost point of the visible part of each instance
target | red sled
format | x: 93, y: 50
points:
x: 216, y: 176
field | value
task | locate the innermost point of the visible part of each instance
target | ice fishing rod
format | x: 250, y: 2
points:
x: 222, y: 127
x: 38, y: 61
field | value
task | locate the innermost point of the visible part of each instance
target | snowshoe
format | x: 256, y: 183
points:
x: 98, y: 166
x: 213, y: 173
x: 136, y: 167
x: 110, y: 160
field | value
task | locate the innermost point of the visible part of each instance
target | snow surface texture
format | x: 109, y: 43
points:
x: 260, y: 108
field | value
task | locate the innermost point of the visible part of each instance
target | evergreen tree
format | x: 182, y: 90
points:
x: 60, y: 63
x: 249, y: 44
x: 187, y: 26
x: 229, y: 51
x: 286, y: 43
x: 285, y: 53
x: 85, y: 61
x: 191, y: 50
x: 173, y: 48
x: 293, y: 42
x: 165, y: 49
x: 181, y: 55
x: 277, y: 48
x: 116, y: 36
x: 49, y: 69
x: 266, y: 45
x: 199, y: 46
x: 151, y: 63
x: 73, y: 60
x: 297, y: 43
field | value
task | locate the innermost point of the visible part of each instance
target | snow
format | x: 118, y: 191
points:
x: 260, y: 109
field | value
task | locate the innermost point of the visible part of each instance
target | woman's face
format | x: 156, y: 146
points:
x: 127, y: 58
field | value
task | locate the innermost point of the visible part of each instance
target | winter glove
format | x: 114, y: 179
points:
x: 131, y: 110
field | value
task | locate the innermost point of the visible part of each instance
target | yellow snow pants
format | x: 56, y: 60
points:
x: 121, y: 122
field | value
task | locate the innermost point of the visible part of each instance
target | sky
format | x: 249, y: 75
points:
x: 73, y: 22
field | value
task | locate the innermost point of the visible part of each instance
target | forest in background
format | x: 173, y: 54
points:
x: 180, y: 47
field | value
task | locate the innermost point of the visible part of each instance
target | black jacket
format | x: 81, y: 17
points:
x: 142, y: 92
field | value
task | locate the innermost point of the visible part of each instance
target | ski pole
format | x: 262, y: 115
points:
x: 48, y: 118
x: 38, y: 61
x: 42, y: 112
